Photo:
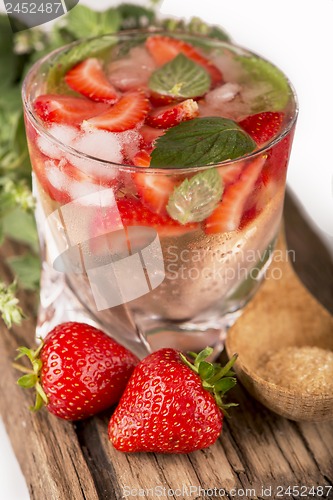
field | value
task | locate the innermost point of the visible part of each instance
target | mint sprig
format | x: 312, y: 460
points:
x: 196, y: 198
x: 200, y: 142
x: 180, y: 77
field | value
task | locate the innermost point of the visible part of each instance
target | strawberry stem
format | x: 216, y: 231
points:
x: 32, y: 376
x: 215, y: 378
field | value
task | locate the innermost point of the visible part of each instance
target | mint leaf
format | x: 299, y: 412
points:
x: 201, y: 141
x: 76, y: 54
x: 180, y: 77
x: 196, y: 198
x: 277, y: 93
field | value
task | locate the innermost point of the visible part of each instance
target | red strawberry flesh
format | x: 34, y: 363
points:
x: 228, y: 214
x: 164, y: 49
x: 170, y: 116
x: 88, y: 79
x: 263, y: 127
x: 66, y: 109
x: 127, y: 113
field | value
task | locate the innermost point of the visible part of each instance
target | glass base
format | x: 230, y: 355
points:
x: 59, y: 304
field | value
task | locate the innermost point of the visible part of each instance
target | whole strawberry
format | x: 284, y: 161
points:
x: 78, y: 371
x: 171, y: 405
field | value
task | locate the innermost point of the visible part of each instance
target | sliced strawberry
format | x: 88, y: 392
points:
x: 228, y: 214
x: 88, y: 78
x: 169, y: 116
x: 231, y: 173
x: 130, y: 110
x: 150, y: 134
x: 52, y: 179
x: 142, y: 159
x: 164, y: 49
x: 262, y: 127
x: 66, y: 109
x: 160, y: 100
x: 134, y: 213
x: 63, y: 182
x: 154, y: 190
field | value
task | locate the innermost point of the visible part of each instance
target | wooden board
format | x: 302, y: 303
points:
x: 257, y: 456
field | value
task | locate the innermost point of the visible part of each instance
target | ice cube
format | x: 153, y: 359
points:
x: 230, y: 67
x: 236, y: 109
x: 222, y: 94
x: 89, y: 194
x: 130, y: 142
x: 55, y: 175
x: 133, y: 71
x: 98, y: 144
x: 63, y: 133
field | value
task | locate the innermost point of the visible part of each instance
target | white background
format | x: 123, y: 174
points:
x: 297, y: 36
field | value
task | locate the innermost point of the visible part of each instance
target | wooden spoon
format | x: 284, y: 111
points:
x: 283, y: 313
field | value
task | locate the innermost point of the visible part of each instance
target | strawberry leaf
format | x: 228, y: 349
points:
x: 201, y: 141
x: 27, y: 381
x: 225, y: 384
x: 206, y: 370
x: 215, y: 378
x: 180, y: 77
x: 196, y: 198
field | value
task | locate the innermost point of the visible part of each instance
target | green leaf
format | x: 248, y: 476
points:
x: 277, y: 91
x: 181, y: 77
x: 10, y: 99
x: 206, y: 370
x: 27, y: 269
x: 25, y: 351
x: 65, y: 61
x: 199, y: 358
x: 219, y: 33
x: 196, y: 198
x: 8, y: 60
x: 225, y: 384
x: 83, y: 22
x: 10, y: 311
x: 27, y: 381
x: 195, y: 26
x: 21, y: 226
x: 135, y: 16
x: 199, y: 142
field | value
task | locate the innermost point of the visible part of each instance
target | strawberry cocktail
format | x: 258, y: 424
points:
x: 159, y: 167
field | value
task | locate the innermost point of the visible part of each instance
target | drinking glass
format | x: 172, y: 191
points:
x: 149, y: 283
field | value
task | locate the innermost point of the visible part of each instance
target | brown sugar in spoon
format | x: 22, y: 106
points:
x: 282, y: 314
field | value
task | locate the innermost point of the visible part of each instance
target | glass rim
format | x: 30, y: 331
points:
x: 41, y: 129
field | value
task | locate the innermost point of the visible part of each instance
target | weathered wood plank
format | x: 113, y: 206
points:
x: 257, y: 449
